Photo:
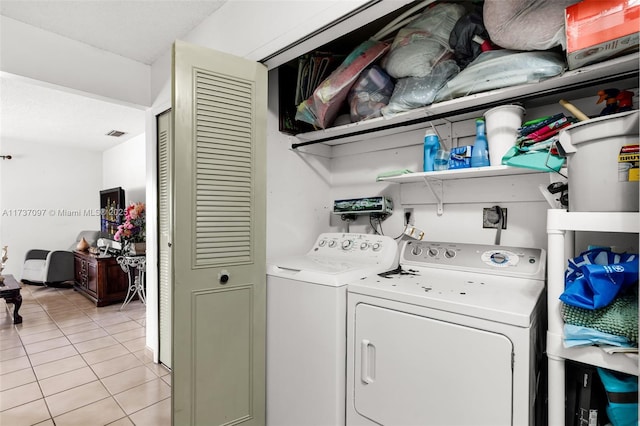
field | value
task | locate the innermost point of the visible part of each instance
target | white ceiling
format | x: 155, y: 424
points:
x: 141, y: 30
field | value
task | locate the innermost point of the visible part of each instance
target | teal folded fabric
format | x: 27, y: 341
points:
x: 619, y: 318
x: 393, y: 173
x: 575, y: 335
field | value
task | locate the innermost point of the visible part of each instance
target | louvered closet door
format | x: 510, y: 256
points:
x: 219, y: 272
x: 164, y: 248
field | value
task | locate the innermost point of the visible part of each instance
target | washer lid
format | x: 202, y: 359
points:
x: 497, y: 298
x: 323, y: 270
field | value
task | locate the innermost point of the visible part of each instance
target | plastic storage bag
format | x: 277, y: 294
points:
x: 526, y: 24
x: 622, y: 397
x: 597, y: 276
x: 327, y: 99
x: 463, y: 37
x: 370, y: 94
x: 423, y: 42
x: 496, y: 69
x: 416, y: 92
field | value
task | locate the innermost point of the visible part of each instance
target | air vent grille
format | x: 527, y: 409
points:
x: 116, y: 133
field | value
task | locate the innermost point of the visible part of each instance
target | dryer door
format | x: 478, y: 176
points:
x: 412, y: 370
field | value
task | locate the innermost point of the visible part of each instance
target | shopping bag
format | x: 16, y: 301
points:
x: 597, y: 276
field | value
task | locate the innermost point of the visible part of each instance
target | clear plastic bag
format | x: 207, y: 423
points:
x: 322, y: 107
x: 423, y: 42
x: 496, y: 69
x: 416, y: 92
x: 370, y: 94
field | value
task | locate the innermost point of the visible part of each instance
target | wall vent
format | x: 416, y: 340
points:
x: 116, y: 133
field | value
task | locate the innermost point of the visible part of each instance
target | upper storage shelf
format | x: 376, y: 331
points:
x: 574, y: 84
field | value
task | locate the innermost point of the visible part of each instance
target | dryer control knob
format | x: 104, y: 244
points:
x: 433, y: 252
x: 322, y: 243
x: 449, y: 254
x: 332, y: 243
x: 364, y: 246
x: 376, y: 246
x: 416, y: 251
x: 347, y: 244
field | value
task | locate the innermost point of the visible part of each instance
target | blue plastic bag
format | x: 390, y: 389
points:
x: 596, y: 277
x: 622, y: 397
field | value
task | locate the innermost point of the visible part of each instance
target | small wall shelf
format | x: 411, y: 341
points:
x: 472, y: 172
x: 434, y: 180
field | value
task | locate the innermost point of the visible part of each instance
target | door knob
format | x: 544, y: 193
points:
x: 223, y: 277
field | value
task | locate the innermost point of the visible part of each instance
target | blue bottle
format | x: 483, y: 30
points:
x: 480, y: 151
x: 431, y: 146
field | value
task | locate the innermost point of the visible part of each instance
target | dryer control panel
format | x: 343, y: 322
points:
x: 497, y: 260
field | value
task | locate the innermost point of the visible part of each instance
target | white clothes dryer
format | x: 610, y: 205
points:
x: 455, y: 337
x: 306, y: 325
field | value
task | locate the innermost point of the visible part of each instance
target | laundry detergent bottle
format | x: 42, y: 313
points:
x: 480, y: 151
x: 431, y: 146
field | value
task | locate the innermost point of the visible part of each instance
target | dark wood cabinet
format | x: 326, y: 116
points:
x: 101, y: 279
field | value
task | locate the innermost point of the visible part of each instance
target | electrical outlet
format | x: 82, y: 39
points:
x: 413, y: 232
x: 408, y: 216
x: 491, y: 218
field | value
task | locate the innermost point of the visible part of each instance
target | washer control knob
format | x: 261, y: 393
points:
x: 449, y: 254
x: 433, y: 252
x: 332, y: 243
x: 364, y: 246
x: 376, y: 246
x: 416, y: 251
x: 347, y: 244
x: 499, y: 258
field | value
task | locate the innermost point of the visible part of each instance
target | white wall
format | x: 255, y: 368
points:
x: 124, y: 165
x: 47, y: 195
x: 298, y: 187
x: 354, y: 176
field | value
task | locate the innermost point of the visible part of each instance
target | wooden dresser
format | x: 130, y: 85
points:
x: 101, y: 279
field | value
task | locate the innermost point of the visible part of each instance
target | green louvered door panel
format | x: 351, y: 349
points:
x: 164, y: 226
x: 219, y: 272
x: 224, y: 170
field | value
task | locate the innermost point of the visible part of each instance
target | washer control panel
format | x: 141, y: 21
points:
x: 355, y: 246
x: 513, y: 261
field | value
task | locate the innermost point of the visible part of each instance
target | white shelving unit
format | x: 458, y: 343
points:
x: 561, y: 227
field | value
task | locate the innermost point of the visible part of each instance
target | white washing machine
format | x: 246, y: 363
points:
x: 455, y: 338
x: 306, y: 325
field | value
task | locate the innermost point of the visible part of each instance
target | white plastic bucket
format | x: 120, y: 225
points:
x: 602, y: 162
x: 502, y: 125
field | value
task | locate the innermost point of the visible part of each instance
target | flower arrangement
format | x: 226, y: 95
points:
x: 133, y: 228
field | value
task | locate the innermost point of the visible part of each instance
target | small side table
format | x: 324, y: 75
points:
x: 134, y: 267
x: 10, y: 291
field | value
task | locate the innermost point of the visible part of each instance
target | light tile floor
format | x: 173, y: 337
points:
x: 71, y: 363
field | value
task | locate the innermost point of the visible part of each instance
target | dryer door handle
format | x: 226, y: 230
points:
x: 367, y: 361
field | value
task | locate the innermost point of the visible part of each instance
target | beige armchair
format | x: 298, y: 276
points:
x: 43, y: 267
